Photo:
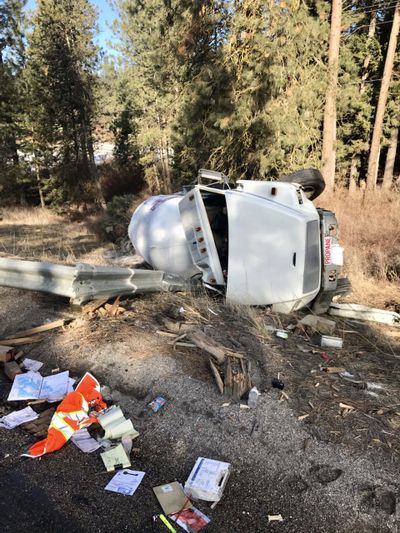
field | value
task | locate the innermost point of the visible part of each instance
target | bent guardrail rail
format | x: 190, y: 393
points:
x: 84, y: 282
x: 363, y: 312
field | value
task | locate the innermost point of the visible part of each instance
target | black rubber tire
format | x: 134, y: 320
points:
x: 310, y: 179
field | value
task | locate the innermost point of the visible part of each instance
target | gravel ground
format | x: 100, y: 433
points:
x: 278, y: 465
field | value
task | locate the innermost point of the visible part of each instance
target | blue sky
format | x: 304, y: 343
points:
x: 106, y: 15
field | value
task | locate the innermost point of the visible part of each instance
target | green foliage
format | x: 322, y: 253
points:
x: 14, y: 170
x: 61, y: 78
x: 115, y: 219
x: 234, y: 85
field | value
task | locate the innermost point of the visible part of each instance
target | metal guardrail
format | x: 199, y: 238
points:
x: 84, y: 282
x: 362, y: 312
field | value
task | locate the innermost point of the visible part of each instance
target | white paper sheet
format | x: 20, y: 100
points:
x: 32, y: 386
x: 17, y: 418
x: 71, y: 383
x: 125, y: 482
x: 55, y: 387
x: 84, y: 441
x: 26, y: 387
x: 32, y: 364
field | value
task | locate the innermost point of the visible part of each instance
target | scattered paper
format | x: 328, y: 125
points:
x: 116, y: 425
x: 115, y: 458
x: 172, y: 498
x: 32, y: 364
x: 191, y: 520
x: 55, y: 387
x: 17, y: 418
x: 84, y: 441
x: 71, y: 383
x: 32, y: 386
x: 125, y: 482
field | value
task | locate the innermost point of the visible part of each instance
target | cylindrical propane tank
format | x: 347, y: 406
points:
x: 157, y: 234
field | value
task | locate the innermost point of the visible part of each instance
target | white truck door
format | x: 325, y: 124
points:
x: 268, y: 245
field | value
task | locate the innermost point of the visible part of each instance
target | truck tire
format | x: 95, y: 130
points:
x: 310, y: 179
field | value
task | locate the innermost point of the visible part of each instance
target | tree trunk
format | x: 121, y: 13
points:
x: 390, y: 159
x: 94, y: 175
x: 353, y: 175
x: 329, y: 131
x: 355, y: 159
x: 373, y: 160
x: 39, y: 184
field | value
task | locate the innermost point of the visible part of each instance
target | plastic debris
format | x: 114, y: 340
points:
x: 167, y: 523
x: 125, y: 482
x: 277, y: 384
x: 127, y: 444
x: 157, y: 403
x: 281, y: 333
x: 331, y: 342
x: 253, y: 397
x: 275, y: 518
x: 191, y: 520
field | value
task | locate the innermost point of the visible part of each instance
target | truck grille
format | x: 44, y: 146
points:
x: 312, y: 264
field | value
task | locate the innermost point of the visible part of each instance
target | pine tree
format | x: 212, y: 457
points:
x: 330, y: 114
x: 13, y: 169
x: 61, y: 76
x: 147, y: 30
x: 373, y: 161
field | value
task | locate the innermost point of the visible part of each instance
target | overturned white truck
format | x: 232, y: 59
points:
x: 260, y: 242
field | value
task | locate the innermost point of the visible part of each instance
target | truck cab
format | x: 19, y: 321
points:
x: 260, y: 242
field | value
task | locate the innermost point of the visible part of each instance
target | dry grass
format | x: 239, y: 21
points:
x: 29, y: 216
x: 369, y: 232
x: 35, y: 233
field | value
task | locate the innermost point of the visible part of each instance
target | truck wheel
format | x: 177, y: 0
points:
x: 310, y: 179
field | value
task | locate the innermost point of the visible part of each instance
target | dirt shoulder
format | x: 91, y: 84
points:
x: 333, y: 470
x: 313, y: 472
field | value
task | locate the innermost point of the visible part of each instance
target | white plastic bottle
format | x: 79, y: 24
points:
x: 253, y: 395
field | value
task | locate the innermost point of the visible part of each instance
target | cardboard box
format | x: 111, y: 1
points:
x: 207, y: 480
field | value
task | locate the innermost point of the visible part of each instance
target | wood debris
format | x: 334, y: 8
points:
x: 101, y: 308
x: 334, y: 369
x: 283, y: 396
x: 7, y: 353
x: 345, y: 409
x: 275, y: 518
x: 40, y: 329
x: 38, y: 428
x: 302, y: 417
x: 12, y: 369
x: 21, y: 341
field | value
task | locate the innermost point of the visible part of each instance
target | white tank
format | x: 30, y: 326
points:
x: 157, y: 234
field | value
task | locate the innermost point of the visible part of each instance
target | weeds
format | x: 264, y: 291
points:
x: 369, y: 233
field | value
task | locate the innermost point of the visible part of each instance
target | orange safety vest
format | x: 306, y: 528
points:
x: 72, y: 414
